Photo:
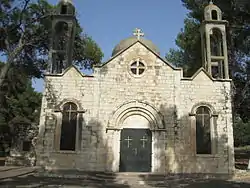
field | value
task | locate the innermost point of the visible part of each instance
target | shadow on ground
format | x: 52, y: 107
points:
x: 98, y: 180
x: 93, y: 180
x: 190, y: 181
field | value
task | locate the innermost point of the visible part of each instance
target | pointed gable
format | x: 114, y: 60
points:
x: 147, y: 47
x: 71, y: 71
x: 202, y: 75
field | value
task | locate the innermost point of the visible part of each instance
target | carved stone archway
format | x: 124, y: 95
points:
x: 155, y: 124
x: 136, y: 108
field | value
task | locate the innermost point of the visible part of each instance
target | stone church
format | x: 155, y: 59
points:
x: 137, y: 112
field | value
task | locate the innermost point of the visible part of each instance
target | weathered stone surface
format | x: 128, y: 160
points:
x: 137, y: 89
x: 161, y: 95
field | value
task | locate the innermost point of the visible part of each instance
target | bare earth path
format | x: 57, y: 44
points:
x: 27, y: 177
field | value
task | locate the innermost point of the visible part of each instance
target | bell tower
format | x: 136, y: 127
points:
x: 63, y: 35
x: 214, y: 43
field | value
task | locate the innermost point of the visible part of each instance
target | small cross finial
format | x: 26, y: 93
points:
x: 138, y: 33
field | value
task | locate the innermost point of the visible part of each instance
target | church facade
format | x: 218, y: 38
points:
x: 137, y: 113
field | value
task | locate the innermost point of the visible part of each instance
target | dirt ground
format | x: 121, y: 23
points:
x: 28, y: 177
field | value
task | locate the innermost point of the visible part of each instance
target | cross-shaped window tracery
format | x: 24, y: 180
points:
x: 137, y: 68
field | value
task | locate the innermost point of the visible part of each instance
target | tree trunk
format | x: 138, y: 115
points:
x: 4, y: 72
x: 11, y: 55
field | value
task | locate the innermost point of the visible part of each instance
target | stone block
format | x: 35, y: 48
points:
x: 103, y: 95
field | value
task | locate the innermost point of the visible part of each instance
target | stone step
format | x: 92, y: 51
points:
x: 111, y: 175
x: 158, y: 177
x: 135, y: 179
x: 101, y: 177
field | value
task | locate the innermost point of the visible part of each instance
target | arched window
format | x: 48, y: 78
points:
x: 68, y: 128
x: 214, y: 15
x: 203, y: 130
x: 64, y: 9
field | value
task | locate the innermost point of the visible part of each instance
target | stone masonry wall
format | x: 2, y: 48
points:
x: 156, y: 87
x: 112, y: 86
x: 202, y: 90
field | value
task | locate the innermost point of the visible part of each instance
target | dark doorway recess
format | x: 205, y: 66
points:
x: 135, y: 150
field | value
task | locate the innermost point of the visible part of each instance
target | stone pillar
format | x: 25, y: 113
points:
x: 208, y: 46
x: 226, y: 68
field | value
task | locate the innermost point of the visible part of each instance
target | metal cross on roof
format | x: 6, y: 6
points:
x: 138, y: 33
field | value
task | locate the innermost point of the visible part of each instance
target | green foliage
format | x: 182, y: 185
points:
x: 20, y: 104
x: 188, y: 53
x: 242, y: 93
x: 188, y: 40
x: 241, y: 133
x: 86, y: 52
x: 25, y: 31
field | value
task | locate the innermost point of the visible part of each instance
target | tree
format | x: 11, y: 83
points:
x: 188, y: 40
x: 25, y: 29
x: 241, y: 132
x: 188, y: 53
x: 19, y: 105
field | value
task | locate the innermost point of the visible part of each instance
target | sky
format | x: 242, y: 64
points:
x: 110, y: 21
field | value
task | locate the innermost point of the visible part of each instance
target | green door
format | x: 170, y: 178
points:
x: 135, y: 150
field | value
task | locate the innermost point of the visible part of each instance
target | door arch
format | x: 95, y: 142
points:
x: 136, y: 108
x: 121, y: 119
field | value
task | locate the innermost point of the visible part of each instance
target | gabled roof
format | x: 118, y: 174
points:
x: 199, y: 71
x: 138, y: 41
x: 206, y: 73
x: 66, y: 70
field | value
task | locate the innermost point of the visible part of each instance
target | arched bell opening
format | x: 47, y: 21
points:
x: 214, y: 14
x: 61, y: 32
x: 217, y: 53
x: 216, y: 40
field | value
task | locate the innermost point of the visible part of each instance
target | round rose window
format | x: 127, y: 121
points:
x: 137, y: 68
